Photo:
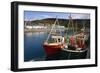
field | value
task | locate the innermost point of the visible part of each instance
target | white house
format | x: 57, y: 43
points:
x: 36, y: 27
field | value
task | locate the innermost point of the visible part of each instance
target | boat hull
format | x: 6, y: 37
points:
x: 52, y: 49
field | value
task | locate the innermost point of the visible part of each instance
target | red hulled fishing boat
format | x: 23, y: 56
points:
x: 54, y: 42
x: 53, y: 47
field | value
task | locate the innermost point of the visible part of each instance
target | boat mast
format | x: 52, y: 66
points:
x: 51, y: 30
x: 71, y: 21
x: 59, y: 27
x: 70, y: 24
x: 76, y: 27
x: 84, y: 32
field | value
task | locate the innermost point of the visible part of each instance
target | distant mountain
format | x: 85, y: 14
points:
x: 62, y: 22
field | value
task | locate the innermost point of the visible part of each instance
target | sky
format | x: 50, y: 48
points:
x: 37, y: 15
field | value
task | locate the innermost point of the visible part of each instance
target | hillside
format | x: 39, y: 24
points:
x: 62, y: 22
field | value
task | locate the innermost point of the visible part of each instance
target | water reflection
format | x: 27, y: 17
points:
x: 33, y: 46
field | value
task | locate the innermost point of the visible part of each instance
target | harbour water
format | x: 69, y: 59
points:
x: 34, y: 51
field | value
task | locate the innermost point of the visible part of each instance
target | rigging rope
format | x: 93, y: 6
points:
x: 51, y: 30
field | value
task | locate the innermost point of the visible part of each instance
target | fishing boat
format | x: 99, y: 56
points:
x: 54, y: 42
x: 77, y: 41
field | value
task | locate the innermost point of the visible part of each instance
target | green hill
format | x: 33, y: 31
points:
x: 62, y: 22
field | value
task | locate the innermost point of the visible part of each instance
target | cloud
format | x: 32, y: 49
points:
x: 46, y: 16
x: 80, y: 16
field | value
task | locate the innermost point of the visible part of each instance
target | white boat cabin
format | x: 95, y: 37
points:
x: 58, y: 38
